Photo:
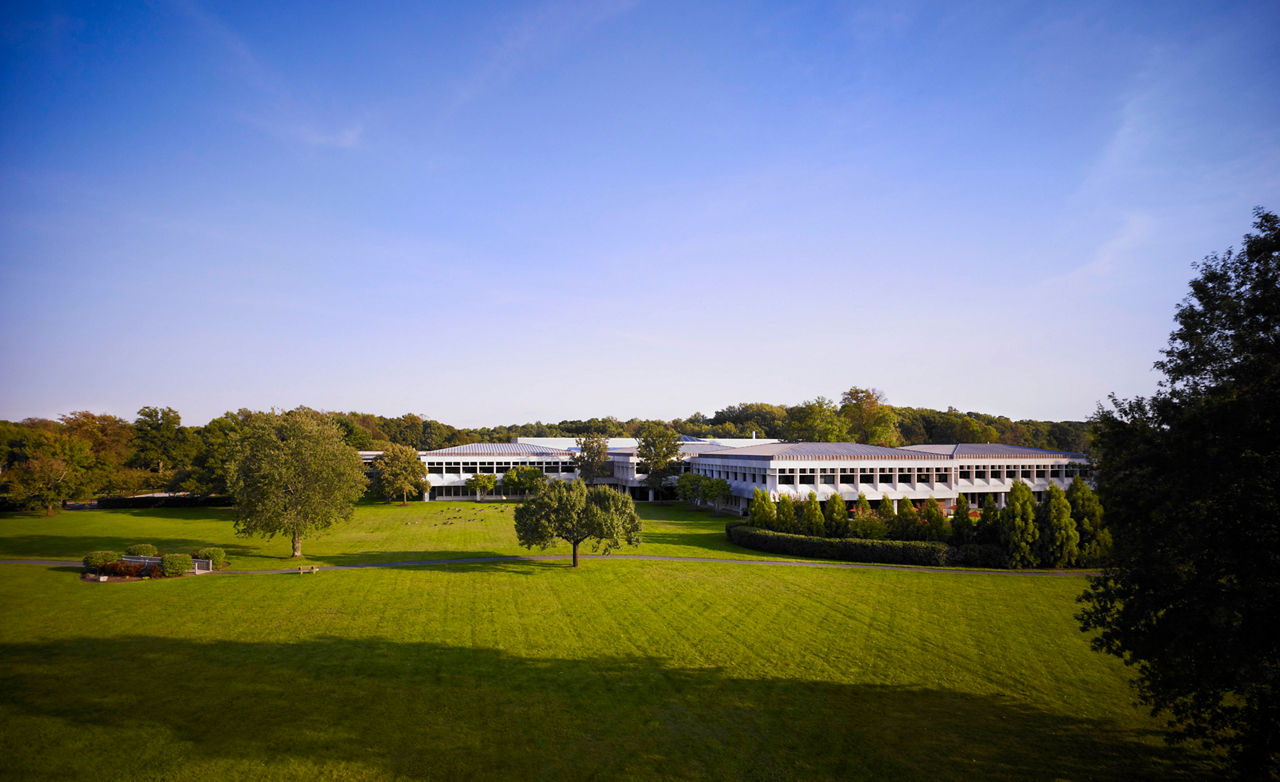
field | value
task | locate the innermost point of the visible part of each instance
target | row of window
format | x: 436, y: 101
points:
x: 495, y: 468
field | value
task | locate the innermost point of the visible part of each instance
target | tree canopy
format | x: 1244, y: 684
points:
x: 397, y: 472
x: 571, y: 512
x: 592, y: 458
x: 292, y: 474
x: 658, y: 452
x: 1191, y: 482
x: 523, y: 479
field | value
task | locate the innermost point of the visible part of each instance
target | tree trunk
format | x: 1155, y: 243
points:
x: 48, y: 510
x: 404, y: 498
x: 575, y: 553
x: 297, y: 545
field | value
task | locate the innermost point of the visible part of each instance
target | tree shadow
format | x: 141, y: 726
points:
x: 75, y: 547
x: 360, y: 707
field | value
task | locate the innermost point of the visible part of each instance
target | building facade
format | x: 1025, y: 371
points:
x: 915, y: 472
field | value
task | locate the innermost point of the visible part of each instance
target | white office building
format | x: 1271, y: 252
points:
x: 915, y: 472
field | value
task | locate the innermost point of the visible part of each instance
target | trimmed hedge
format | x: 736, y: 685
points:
x: 979, y: 555
x: 141, y: 550
x: 216, y: 555
x: 891, y: 552
x: 175, y: 564
x: 96, y: 559
x: 184, y: 501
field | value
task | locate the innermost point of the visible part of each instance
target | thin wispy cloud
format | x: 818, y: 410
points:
x: 280, y: 115
x: 533, y: 39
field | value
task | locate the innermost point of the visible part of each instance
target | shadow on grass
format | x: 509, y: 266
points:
x: 421, y: 558
x: 75, y: 547
x: 336, y: 705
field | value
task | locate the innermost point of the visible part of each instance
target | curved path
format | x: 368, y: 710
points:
x: 547, y: 557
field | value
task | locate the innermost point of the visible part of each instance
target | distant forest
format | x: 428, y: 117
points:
x: 105, y: 454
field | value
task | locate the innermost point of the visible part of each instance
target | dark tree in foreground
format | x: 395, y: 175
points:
x: 1191, y: 482
x: 291, y: 474
x: 574, y: 513
x: 962, y: 531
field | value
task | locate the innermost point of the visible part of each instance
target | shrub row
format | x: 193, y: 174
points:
x: 175, y: 564
x: 891, y: 552
x: 96, y: 559
x: 217, y: 556
x: 184, y: 501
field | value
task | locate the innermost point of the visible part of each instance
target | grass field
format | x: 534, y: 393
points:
x: 378, y: 533
x: 623, y: 668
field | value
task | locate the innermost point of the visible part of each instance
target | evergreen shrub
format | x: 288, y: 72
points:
x: 216, y: 555
x: 175, y: 564
x: 141, y: 550
x: 96, y: 559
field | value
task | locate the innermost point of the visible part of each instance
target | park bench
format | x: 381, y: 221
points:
x: 307, y: 569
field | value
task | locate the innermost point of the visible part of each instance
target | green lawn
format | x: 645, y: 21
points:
x: 624, y: 668
x: 378, y: 533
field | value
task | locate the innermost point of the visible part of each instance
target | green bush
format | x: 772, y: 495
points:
x: 141, y: 550
x: 868, y: 527
x: 216, y: 555
x: 175, y: 564
x: 893, y: 552
x: 123, y: 569
x: 96, y: 559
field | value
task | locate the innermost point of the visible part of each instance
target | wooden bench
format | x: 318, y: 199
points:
x: 307, y: 569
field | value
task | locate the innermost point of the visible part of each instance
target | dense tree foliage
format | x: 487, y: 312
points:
x: 714, y: 491
x: 868, y: 418
x: 1018, y: 530
x: 811, y: 521
x: 522, y: 480
x: 762, y: 511
x: 1086, y: 511
x: 1058, y: 542
x: 291, y: 473
x: 962, y: 530
x: 1191, y: 482
x: 571, y: 512
x: 592, y: 457
x: 785, y: 514
x: 836, y: 514
x: 689, y: 487
x: 658, y: 451
x: 52, y: 467
x: 481, y: 485
x: 398, y: 472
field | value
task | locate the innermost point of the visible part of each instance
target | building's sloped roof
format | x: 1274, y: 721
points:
x: 990, y: 450
x: 803, y: 451
x: 686, y: 449
x: 497, y: 449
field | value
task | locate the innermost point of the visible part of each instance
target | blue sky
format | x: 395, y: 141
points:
x: 495, y: 213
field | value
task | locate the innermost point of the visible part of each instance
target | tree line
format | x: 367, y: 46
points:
x: 1063, y: 529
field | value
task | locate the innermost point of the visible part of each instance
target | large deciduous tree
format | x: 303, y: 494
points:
x: 292, y: 474
x: 817, y: 420
x: 571, y: 512
x: 50, y: 467
x: 481, y: 485
x: 1191, y: 482
x: 868, y: 418
x: 592, y: 458
x: 397, y: 472
x: 523, y: 480
x: 658, y: 452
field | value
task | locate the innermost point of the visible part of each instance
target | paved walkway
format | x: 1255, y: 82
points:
x: 558, y: 557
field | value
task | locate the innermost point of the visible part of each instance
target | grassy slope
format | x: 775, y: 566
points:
x: 378, y: 533
x: 530, y: 669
